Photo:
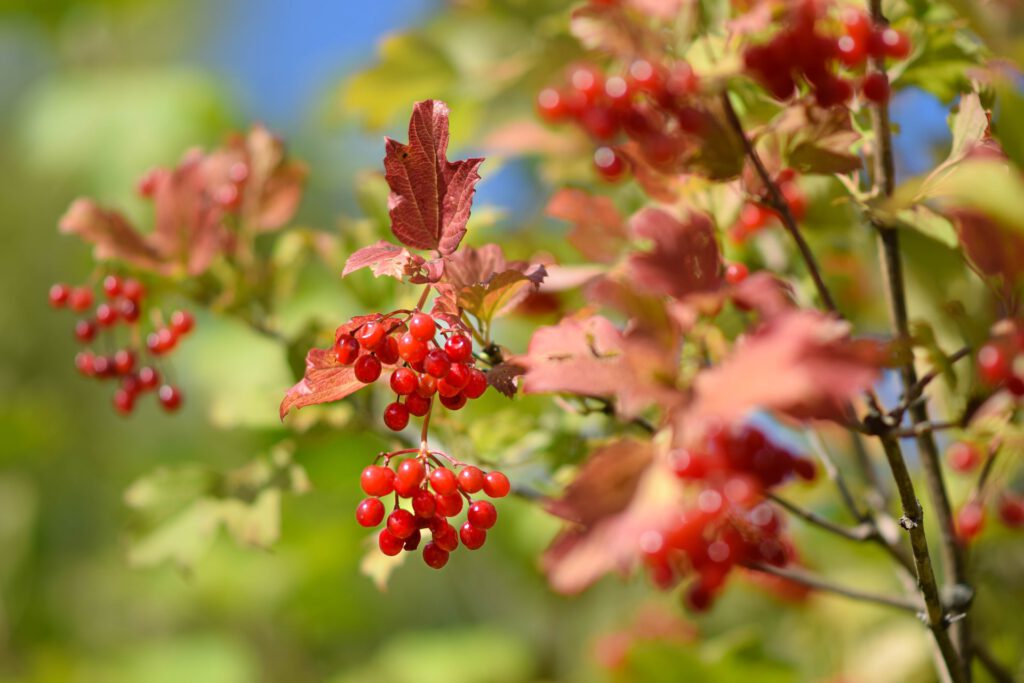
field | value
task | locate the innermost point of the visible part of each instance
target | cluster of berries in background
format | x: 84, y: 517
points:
x: 810, y: 49
x: 115, y: 325
x: 729, y: 523
x: 652, y: 104
x: 964, y: 457
x: 430, y: 362
x: 434, y: 494
x: 1000, y: 361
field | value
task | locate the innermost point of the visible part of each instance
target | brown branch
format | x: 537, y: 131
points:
x: 778, y: 203
x: 817, y: 583
x: 919, y: 429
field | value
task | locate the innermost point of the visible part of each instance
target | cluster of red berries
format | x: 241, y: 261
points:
x: 730, y: 524
x: 757, y: 214
x: 964, y: 457
x: 1000, y: 360
x: 426, y: 366
x: 809, y: 49
x: 653, y: 104
x: 122, y: 305
x: 435, y: 494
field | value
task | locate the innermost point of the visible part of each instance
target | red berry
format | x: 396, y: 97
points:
x: 388, y: 543
x: 445, y: 536
x: 471, y: 479
x: 149, y: 378
x: 377, y: 480
x: 161, y: 341
x: 413, y: 541
x: 426, y: 386
x: 618, y: 93
x: 422, y: 327
x: 411, y: 472
x: 1011, y: 511
x: 80, y: 299
x: 875, y: 88
x: 471, y: 536
x: 434, y: 556
x: 124, y: 361
x: 106, y: 315
x: 370, y: 335
x: 387, y: 351
x: 396, y: 416
x: 170, y: 397
x: 455, y: 402
x: 551, y: 106
x: 444, y: 481
x: 102, y: 366
x: 85, y: 330
x: 424, y: 504
x: 346, y: 349
x: 891, y: 43
x: 994, y: 363
x: 608, y: 163
x: 401, y: 523
x: 124, y: 401
x: 417, y: 405
x: 449, y: 505
x: 411, y: 349
x: 970, y: 520
x: 643, y: 75
x: 753, y: 216
x: 182, y: 323
x: 130, y: 383
x: 736, y: 273
x: 482, y: 514
x: 698, y: 598
x: 59, y: 294
x: 128, y: 310
x: 367, y: 369
x: 600, y: 122
x: 458, y: 376
x: 795, y: 199
x: 84, y: 362
x: 111, y: 286
x: 436, y: 364
x: 447, y: 390
x: 404, y: 381
x: 963, y: 456
x: 459, y: 348
x: 477, y: 384
x: 132, y: 290
x: 370, y: 512
x: 496, y: 485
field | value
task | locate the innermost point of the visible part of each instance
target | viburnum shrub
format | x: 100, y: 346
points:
x: 731, y: 363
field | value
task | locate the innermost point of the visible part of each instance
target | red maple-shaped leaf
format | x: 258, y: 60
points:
x: 383, y: 258
x: 685, y: 258
x: 326, y: 379
x: 110, y: 233
x: 801, y: 363
x: 431, y: 197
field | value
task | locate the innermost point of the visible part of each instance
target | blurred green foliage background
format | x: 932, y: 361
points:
x: 93, y: 93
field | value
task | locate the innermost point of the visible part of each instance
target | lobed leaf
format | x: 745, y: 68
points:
x: 431, y: 197
x: 685, y: 259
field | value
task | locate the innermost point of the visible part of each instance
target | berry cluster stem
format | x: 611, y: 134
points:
x: 779, y: 204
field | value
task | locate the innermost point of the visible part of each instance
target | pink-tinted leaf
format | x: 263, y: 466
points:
x: 275, y: 185
x: 685, y: 259
x: 430, y: 197
x: 994, y: 251
x: 383, y: 258
x: 802, y: 364
x: 189, y: 230
x: 598, y: 231
x: 765, y: 293
x: 326, y: 380
x: 110, y: 233
x: 501, y: 294
x: 622, y: 491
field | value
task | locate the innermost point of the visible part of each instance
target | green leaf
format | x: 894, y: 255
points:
x: 1009, y: 120
x: 411, y: 68
x: 498, y: 296
x: 941, y: 63
x: 930, y: 224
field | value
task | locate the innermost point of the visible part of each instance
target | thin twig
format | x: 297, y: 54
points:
x: 834, y: 474
x: 861, y: 532
x: 915, y: 392
x: 919, y: 429
x: 821, y: 584
x: 778, y: 202
x: 991, y: 664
